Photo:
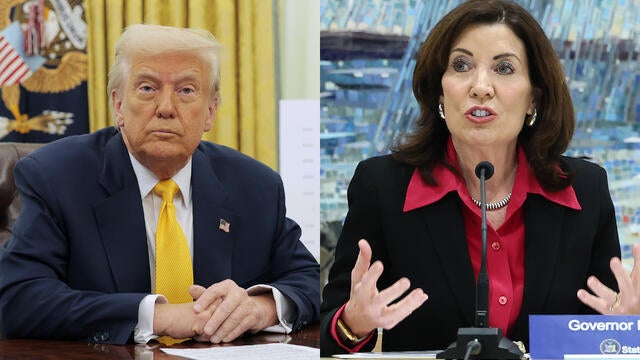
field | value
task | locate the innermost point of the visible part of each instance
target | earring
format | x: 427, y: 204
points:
x: 532, y: 119
x: 441, y: 110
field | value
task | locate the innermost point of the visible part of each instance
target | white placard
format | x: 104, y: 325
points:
x: 299, y: 131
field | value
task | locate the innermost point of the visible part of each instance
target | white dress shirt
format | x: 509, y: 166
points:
x: 151, y: 204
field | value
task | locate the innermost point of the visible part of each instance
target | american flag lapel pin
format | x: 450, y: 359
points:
x: 224, y: 225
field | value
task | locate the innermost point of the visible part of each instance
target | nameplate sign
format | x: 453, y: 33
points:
x: 554, y: 336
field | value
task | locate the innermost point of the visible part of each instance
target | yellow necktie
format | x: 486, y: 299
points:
x: 174, y: 270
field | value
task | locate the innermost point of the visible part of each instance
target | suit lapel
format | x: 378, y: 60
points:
x: 450, y: 241
x: 212, y: 246
x: 543, y: 224
x: 120, y: 220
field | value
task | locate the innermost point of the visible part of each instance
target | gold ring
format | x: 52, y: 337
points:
x: 616, y: 303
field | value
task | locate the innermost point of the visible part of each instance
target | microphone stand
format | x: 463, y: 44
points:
x: 482, y: 341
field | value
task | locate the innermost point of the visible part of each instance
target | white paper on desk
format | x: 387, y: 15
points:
x: 390, y: 355
x: 249, y: 352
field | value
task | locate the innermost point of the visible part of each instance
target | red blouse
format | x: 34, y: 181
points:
x: 505, y: 252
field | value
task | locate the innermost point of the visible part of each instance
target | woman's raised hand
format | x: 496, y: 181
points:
x: 368, y: 308
x: 608, y: 302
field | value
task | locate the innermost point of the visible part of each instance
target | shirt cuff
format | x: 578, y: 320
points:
x: 334, y: 333
x: 143, y: 331
x: 285, y: 308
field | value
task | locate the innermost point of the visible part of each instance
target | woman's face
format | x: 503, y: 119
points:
x: 486, y: 87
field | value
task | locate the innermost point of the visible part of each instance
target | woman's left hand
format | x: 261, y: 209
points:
x: 608, y: 302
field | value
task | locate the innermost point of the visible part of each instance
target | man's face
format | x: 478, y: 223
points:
x: 163, y: 108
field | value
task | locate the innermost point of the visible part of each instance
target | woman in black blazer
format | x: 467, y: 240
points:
x: 490, y: 88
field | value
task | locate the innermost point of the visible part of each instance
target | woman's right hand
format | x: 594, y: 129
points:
x: 368, y: 308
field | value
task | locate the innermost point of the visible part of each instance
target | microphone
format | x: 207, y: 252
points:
x: 482, y: 341
x: 484, y: 171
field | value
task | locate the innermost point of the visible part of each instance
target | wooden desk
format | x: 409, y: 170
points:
x: 54, y: 350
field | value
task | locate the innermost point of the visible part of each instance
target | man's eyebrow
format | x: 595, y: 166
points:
x: 145, y: 75
x: 152, y: 76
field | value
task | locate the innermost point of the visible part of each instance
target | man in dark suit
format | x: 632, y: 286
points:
x: 82, y: 260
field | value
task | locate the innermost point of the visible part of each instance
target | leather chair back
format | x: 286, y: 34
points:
x: 10, y: 203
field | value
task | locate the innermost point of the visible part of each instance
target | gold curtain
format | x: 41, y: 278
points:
x: 247, y: 114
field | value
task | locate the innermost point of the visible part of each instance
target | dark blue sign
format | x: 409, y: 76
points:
x: 553, y: 336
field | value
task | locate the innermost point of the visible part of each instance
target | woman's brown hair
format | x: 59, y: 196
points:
x: 543, y: 143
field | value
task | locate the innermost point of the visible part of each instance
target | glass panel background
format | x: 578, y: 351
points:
x: 367, y: 51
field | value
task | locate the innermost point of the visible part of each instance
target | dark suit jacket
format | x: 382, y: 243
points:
x: 77, y: 265
x: 428, y: 245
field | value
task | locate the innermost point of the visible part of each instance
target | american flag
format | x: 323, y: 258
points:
x: 224, y: 225
x: 12, y: 68
x: 15, y: 66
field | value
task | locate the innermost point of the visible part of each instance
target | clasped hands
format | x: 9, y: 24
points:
x: 220, y: 313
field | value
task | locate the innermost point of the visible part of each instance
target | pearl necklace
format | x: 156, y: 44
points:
x: 494, y: 205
